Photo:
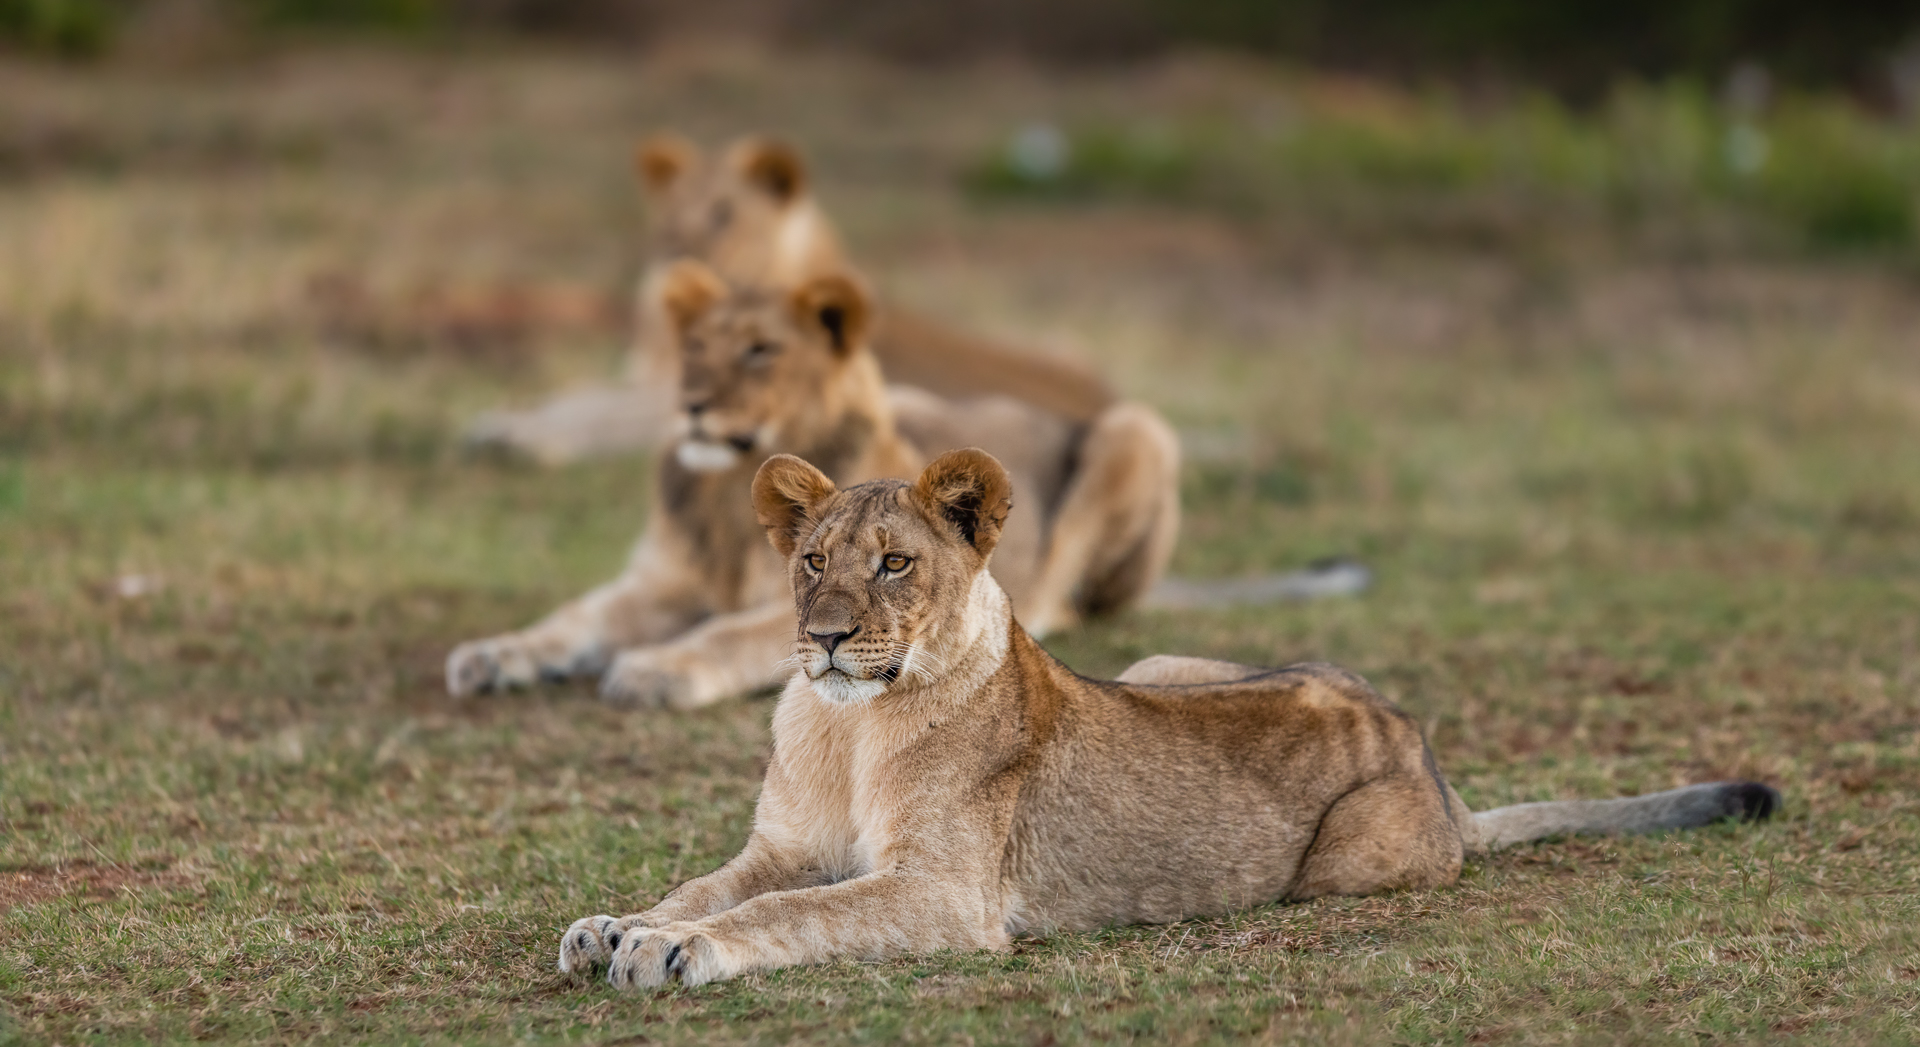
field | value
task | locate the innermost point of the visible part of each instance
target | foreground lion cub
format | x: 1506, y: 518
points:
x: 939, y: 781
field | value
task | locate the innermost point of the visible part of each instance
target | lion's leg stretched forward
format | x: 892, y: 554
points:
x: 938, y: 781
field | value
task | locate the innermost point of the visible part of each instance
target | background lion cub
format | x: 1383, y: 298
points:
x: 748, y: 214
x: 702, y: 610
x: 939, y: 781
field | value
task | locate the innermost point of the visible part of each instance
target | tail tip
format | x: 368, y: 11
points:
x: 1751, y: 801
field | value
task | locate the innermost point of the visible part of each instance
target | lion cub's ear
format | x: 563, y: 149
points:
x: 686, y: 290
x: 663, y: 159
x: 970, y: 489
x: 838, y: 306
x: 773, y: 167
x: 786, y: 491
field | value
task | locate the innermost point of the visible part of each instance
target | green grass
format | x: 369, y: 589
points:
x: 1640, y: 516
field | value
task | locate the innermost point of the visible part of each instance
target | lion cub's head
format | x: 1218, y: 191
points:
x: 746, y: 212
x: 764, y: 370
x: 889, y: 578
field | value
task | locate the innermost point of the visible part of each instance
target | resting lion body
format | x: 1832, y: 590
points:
x: 939, y: 781
x: 702, y: 612
x: 747, y: 214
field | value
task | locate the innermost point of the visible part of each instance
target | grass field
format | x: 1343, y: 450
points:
x: 1642, y: 499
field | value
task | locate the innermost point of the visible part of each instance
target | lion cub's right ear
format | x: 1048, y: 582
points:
x: 971, y: 490
x: 662, y: 160
x: 771, y: 166
x: 786, y: 493
x: 686, y: 290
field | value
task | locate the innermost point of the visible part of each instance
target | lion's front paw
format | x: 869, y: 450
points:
x: 651, y: 957
x: 488, y: 665
x: 588, y: 943
x: 591, y: 942
x: 640, y: 680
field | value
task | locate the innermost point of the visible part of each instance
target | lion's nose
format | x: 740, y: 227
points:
x: 694, y: 409
x: 831, y: 640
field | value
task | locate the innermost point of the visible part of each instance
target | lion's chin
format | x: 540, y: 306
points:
x: 704, y: 456
x: 838, y: 687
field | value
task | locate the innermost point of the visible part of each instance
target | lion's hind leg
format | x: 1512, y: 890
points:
x: 1392, y: 833
x: 1116, y: 525
x: 1161, y: 669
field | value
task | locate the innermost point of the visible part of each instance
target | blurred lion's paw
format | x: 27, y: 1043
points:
x: 642, y: 680
x: 479, y: 666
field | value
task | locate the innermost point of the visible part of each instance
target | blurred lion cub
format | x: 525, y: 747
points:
x: 702, y: 610
x: 939, y: 781
x: 749, y: 215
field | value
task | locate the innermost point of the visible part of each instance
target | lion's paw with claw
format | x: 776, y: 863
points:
x: 590, y: 943
x: 649, y: 957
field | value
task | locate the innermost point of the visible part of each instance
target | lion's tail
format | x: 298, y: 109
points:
x: 1684, y: 808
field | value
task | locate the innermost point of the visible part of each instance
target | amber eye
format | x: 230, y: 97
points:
x: 761, y: 352
x: 896, y: 563
x: 816, y: 562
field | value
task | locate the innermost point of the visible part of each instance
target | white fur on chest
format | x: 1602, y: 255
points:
x: 839, y: 788
x: 832, y: 806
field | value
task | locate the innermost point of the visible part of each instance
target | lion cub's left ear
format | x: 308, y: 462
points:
x: 838, y: 306
x: 786, y: 493
x: 662, y: 160
x: 971, y: 490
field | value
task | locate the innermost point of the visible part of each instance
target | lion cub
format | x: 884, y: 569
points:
x: 749, y: 215
x: 939, y: 781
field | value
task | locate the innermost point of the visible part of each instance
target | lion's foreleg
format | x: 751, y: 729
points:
x: 758, y: 869
x: 645, y: 604
x: 581, y: 423
x: 725, y: 655
x: 883, y: 914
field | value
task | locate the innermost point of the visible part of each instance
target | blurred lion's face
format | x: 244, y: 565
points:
x: 740, y: 212
x: 759, y: 369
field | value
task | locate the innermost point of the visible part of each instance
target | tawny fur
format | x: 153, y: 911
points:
x: 938, y: 781
x: 701, y: 612
x: 748, y: 215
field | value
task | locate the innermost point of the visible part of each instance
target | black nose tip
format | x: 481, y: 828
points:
x: 830, y: 640
x: 695, y: 409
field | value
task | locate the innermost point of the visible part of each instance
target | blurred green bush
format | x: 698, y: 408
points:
x: 1819, y: 166
x: 69, y: 28
x: 1578, y: 48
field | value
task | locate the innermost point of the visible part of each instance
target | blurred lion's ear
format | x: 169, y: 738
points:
x: 838, y: 306
x: 970, y: 490
x: 773, y: 167
x: 786, y: 493
x: 663, y: 159
x: 686, y: 290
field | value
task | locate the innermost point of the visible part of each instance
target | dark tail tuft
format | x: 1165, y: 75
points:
x: 1751, y: 801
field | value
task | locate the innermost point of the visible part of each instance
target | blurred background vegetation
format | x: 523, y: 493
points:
x: 1579, y: 47
x: 1795, y: 119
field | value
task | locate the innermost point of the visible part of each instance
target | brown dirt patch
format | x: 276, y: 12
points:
x: 33, y: 884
